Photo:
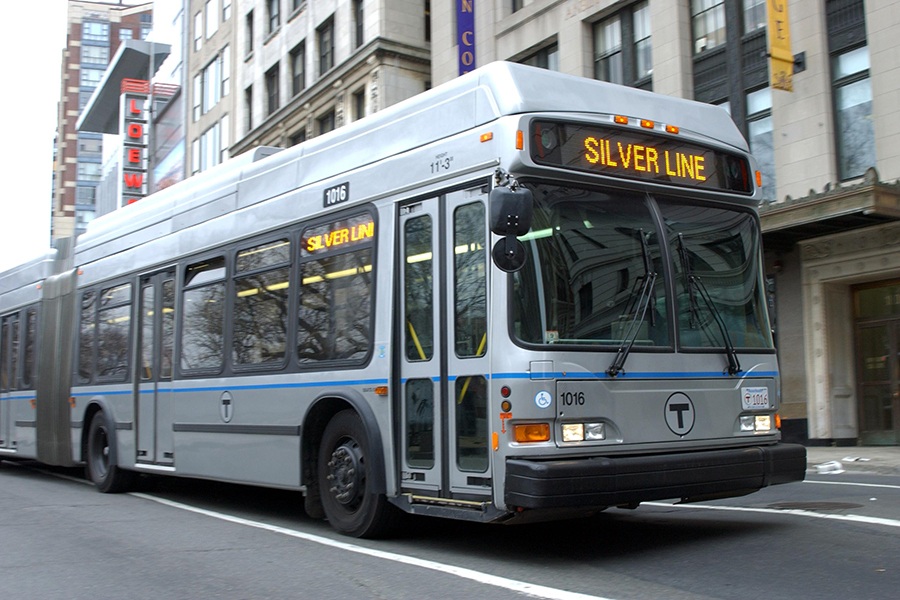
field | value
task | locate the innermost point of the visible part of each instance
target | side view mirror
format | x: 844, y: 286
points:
x: 511, y: 214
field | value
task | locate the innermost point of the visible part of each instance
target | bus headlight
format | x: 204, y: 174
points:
x: 580, y: 432
x: 756, y: 423
x: 763, y: 423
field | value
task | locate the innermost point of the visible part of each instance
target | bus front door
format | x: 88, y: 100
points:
x: 443, y: 266
x: 155, y: 441
x: 9, y: 328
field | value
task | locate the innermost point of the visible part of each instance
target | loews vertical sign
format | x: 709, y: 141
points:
x: 134, y: 146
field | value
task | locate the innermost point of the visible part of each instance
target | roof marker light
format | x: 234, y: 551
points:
x: 671, y: 129
x: 647, y: 124
x: 621, y: 120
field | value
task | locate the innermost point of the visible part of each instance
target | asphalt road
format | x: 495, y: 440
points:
x: 837, y: 535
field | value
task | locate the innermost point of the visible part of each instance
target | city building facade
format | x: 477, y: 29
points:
x: 829, y: 152
x: 94, y: 32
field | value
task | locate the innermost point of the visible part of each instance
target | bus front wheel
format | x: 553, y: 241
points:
x: 100, y: 461
x: 344, y: 477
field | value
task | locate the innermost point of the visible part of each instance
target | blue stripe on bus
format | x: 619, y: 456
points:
x: 563, y: 375
x: 631, y: 375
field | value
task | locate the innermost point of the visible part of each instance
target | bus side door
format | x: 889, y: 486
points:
x: 156, y: 328
x: 442, y: 267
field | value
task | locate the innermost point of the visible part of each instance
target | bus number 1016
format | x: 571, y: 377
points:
x: 572, y: 398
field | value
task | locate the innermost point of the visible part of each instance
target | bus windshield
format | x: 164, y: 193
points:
x: 596, y: 275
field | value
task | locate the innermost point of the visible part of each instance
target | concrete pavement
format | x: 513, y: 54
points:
x: 859, y: 459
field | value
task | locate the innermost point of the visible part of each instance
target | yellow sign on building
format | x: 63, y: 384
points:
x: 781, y: 66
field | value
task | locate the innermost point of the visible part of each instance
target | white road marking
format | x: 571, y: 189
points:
x: 538, y: 591
x: 786, y: 511
x: 874, y: 485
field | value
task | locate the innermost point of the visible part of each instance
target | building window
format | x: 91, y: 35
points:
x: 853, y: 112
x: 359, y: 104
x: 708, y: 21
x: 298, y: 68
x: 212, y: 17
x: 759, y: 134
x: 126, y: 34
x: 226, y: 70
x: 358, y: 23
x: 622, y: 47
x: 198, y: 31
x: 226, y: 10
x: 325, y: 38
x: 643, y: 54
x: 517, y: 5
x: 248, y: 32
x: 545, y: 58
x: 326, y: 122
x: 197, y: 99
x: 273, y: 12
x: 91, y: 77
x: 298, y: 137
x: 608, y: 50
x: 754, y: 15
x: 248, y: 108
x: 272, y: 90
x: 95, y: 55
x: 95, y: 31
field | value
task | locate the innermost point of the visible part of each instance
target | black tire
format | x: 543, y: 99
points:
x: 100, y: 458
x: 345, y: 481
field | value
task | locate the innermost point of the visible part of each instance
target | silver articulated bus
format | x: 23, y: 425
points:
x: 520, y: 295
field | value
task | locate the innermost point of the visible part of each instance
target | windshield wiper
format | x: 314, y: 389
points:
x: 637, y: 308
x: 695, y: 285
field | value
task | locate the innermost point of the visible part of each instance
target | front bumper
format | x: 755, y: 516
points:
x: 615, y: 481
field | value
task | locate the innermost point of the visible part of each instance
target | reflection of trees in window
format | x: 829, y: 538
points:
x: 336, y: 307
x: 112, y: 333
x: 419, y: 288
x: 586, y: 262
x: 721, y: 250
x: 261, y: 304
x: 856, y: 135
x: 260, y: 317
x: 202, y: 345
x: 470, y: 283
x: 88, y: 328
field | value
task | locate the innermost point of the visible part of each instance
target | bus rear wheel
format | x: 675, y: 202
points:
x: 100, y: 461
x: 344, y: 477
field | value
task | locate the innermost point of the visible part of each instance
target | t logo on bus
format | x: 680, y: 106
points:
x: 679, y: 414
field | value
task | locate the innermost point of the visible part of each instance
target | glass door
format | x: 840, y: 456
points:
x: 878, y: 345
x: 156, y: 328
x: 443, y: 354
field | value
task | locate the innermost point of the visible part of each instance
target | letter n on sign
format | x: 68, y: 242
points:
x: 465, y: 34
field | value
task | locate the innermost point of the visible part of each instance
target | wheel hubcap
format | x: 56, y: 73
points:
x: 345, y: 473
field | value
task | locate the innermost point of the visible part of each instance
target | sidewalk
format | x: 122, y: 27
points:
x: 860, y: 459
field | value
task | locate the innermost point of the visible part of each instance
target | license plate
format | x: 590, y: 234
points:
x: 755, y: 398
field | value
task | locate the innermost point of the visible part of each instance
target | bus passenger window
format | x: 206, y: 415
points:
x: 86, y: 338
x: 336, y: 291
x: 202, y: 336
x: 113, y: 333
x: 261, y: 304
